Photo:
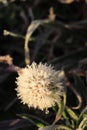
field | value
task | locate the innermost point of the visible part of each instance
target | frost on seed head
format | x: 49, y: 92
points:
x: 40, y: 86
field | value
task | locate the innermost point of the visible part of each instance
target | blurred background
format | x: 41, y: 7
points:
x: 61, y: 42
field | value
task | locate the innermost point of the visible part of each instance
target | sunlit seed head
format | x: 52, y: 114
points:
x: 40, y: 86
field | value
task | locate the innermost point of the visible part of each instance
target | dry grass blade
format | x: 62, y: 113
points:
x: 66, y: 1
x: 32, y: 27
x: 7, y: 59
x: 6, y: 32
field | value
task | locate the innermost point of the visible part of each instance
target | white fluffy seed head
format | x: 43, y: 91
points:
x: 40, y: 86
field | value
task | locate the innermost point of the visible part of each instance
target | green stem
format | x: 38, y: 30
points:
x: 61, y: 107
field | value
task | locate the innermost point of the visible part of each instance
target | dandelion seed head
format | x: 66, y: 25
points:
x: 39, y: 86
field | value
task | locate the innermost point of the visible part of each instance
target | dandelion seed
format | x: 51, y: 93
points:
x: 39, y: 86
